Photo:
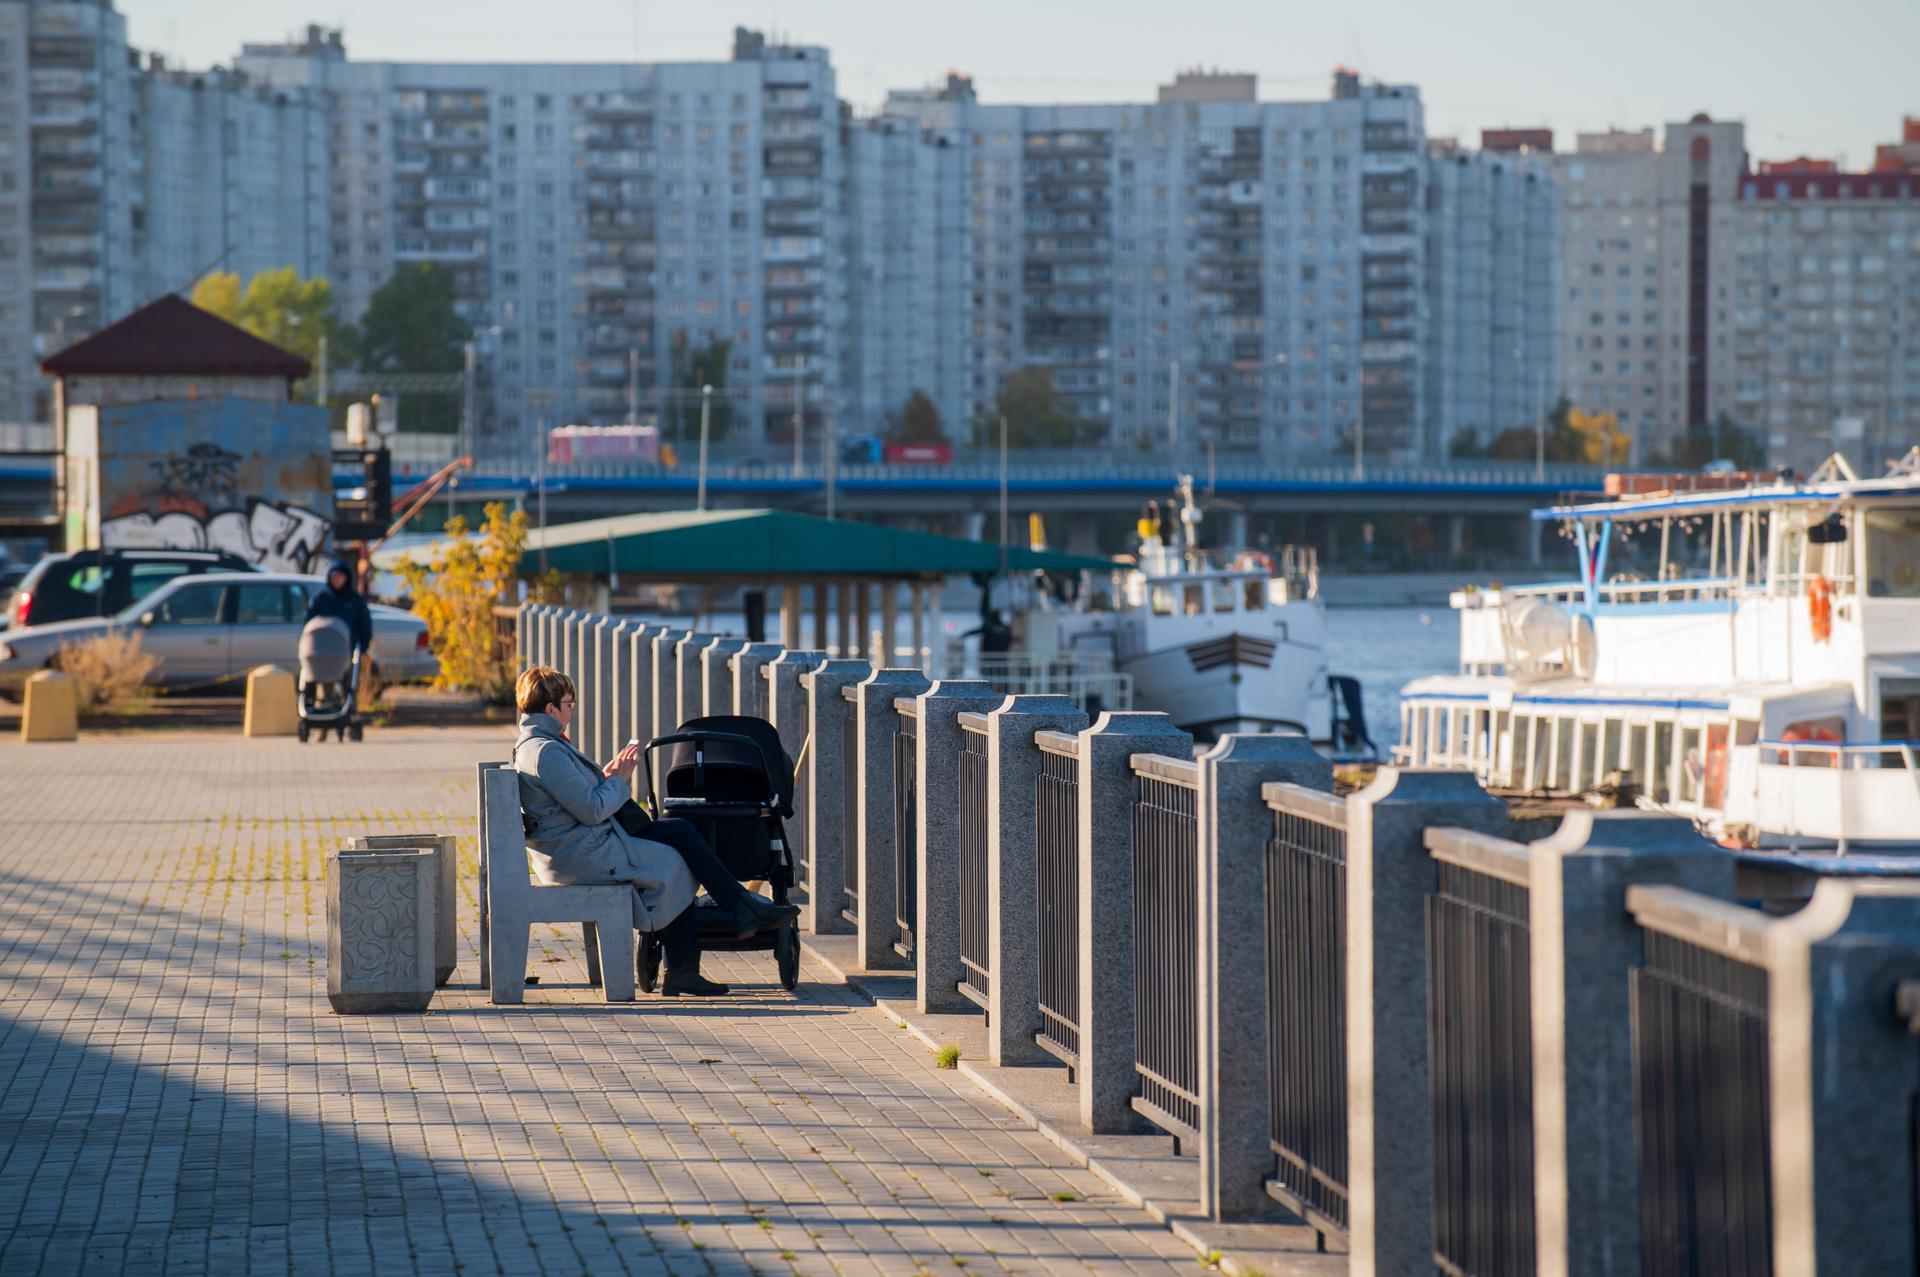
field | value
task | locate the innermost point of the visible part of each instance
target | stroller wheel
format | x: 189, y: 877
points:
x: 356, y: 732
x: 647, y: 964
x: 786, y: 954
x: 303, y: 731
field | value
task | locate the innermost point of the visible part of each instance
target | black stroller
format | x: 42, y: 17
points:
x: 729, y: 776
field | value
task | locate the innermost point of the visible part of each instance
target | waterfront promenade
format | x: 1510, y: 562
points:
x: 176, y: 1095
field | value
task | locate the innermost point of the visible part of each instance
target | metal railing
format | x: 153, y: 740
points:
x: 1701, y: 1112
x: 1306, y: 946
x: 1056, y: 817
x: 971, y: 778
x: 1478, y: 947
x: 1088, y: 678
x: 1166, y: 968
x: 850, y: 780
x: 906, y: 827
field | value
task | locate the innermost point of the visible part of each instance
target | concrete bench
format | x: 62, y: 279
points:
x: 513, y: 902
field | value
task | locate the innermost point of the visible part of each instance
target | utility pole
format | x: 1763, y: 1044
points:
x: 706, y: 408
x: 466, y: 400
x: 633, y: 386
x: 1173, y: 406
x: 799, y: 419
x: 1003, y: 497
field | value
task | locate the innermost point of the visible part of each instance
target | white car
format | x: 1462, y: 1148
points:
x: 208, y: 630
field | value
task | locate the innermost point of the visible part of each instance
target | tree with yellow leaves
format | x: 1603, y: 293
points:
x: 1601, y: 442
x: 455, y: 593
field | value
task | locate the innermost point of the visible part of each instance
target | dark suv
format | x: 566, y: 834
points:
x: 66, y: 587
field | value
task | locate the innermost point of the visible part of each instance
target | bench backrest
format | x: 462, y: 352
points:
x: 506, y: 839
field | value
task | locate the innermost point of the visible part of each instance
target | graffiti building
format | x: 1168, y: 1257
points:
x: 178, y: 430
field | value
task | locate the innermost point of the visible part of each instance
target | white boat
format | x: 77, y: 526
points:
x: 1748, y: 657
x: 1228, y: 642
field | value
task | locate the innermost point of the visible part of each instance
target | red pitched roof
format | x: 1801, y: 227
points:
x: 172, y: 336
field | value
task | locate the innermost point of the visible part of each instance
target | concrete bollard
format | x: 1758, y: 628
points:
x: 380, y: 930
x: 445, y: 849
x: 787, y: 705
x: 689, y: 677
x: 273, y: 706
x: 749, y: 688
x: 49, y: 711
x: 666, y: 683
x: 716, y: 676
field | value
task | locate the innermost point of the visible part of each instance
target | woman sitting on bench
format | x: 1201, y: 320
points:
x: 584, y: 827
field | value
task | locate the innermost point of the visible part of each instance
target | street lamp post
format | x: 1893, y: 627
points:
x: 799, y: 417
x: 706, y: 412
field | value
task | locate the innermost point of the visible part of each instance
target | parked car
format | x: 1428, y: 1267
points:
x: 101, y: 583
x: 209, y: 629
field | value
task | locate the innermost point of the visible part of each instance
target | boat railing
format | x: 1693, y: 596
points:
x: 1838, y: 791
x: 1085, y: 677
x: 1846, y: 755
x: 1682, y: 589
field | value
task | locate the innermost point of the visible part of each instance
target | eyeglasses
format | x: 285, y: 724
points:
x: 565, y: 702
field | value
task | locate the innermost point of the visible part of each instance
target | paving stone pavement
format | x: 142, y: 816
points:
x: 176, y: 1094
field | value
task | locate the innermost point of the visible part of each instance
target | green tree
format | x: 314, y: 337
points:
x: 918, y: 421
x: 1035, y: 416
x: 281, y: 307
x: 1722, y: 440
x: 1564, y: 441
x: 411, y: 326
x: 691, y: 366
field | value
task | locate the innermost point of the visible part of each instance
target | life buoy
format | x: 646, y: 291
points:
x: 1247, y: 560
x: 1820, y: 608
x: 1811, y: 733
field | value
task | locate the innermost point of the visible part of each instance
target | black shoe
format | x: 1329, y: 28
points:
x: 691, y: 983
x: 754, y: 914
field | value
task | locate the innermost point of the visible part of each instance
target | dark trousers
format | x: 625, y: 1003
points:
x: 681, y: 937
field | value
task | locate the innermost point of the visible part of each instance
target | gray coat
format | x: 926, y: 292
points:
x: 572, y: 837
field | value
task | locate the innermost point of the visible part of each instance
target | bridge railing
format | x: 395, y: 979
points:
x: 1448, y: 1048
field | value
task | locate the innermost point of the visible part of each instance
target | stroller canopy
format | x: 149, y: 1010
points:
x: 731, y: 770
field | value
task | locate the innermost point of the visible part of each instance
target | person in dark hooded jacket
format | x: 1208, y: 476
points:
x: 342, y: 600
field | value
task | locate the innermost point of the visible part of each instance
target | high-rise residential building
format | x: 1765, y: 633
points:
x: 1826, y: 312
x: 1494, y: 287
x: 1207, y: 266
x: 1648, y: 264
x: 70, y: 170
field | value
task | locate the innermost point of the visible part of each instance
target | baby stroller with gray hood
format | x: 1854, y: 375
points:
x: 329, y: 681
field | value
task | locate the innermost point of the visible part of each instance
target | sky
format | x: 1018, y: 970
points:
x: 1820, y: 77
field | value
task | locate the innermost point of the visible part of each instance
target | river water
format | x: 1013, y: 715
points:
x: 1385, y: 647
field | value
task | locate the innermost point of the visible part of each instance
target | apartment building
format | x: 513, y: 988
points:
x: 1826, y: 318
x: 1648, y: 264
x: 1494, y: 286
x: 1206, y: 266
x: 70, y: 170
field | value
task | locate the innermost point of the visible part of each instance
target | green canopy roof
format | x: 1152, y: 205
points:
x: 760, y: 545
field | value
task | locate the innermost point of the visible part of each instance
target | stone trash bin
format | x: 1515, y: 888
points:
x: 380, y: 930
x: 446, y: 853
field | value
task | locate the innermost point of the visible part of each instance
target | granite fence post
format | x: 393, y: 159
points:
x: 380, y: 930
x: 936, y: 929
x: 1107, y: 792
x: 824, y: 777
x: 666, y: 682
x: 522, y: 627
x: 1389, y: 1118
x: 716, y: 676
x: 1234, y: 825
x: 620, y: 681
x: 600, y: 693
x: 579, y: 630
x: 787, y: 711
x: 690, y: 687
x: 1013, y: 956
x: 1583, y: 944
x: 445, y: 849
x: 877, y: 927
x: 749, y: 688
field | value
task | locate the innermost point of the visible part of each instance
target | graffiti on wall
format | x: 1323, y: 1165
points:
x: 274, y: 537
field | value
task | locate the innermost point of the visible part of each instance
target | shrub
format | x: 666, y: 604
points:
x: 455, y: 594
x: 109, y: 672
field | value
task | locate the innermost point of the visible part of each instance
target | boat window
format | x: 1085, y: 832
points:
x: 1502, y: 728
x: 1592, y: 766
x: 1900, y: 709
x: 1161, y: 600
x: 1438, y: 728
x: 1610, y: 753
x: 1563, y: 754
x: 1193, y: 599
x: 1715, y: 768
x: 1256, y: 594
x: 1659, y: 769
x: 1635, y: 763
x: 1476, y: 734
x: 1893, y: 554
x: 1223, y: 596
x: 1523, y: 749
x: 1693, y: 765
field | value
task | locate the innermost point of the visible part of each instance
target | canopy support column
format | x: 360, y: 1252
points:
x: 889, y: 624
x: 790, y: 616
x: 820, y: 616
x: 843, y: 600
x: 919, y: 625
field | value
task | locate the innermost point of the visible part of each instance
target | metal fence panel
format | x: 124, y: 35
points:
x: 850, y: 779
x: 1307, y: 1012
x: 1166, y: 967
x: 1481, y: 1052
x: 1701, y: 1111
x: 976, y: 980
x: 906, y: 836
x: 1056, y: 807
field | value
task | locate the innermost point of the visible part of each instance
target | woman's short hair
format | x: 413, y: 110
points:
x: 540, y: 688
